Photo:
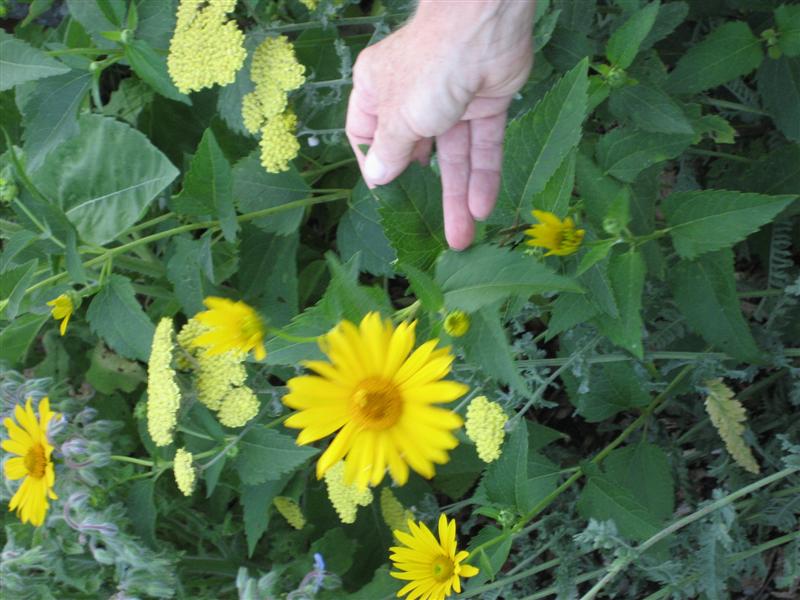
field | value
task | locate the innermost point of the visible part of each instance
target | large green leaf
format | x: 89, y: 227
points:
x: 267, y: 455
x: 141, y: 509
x: 411, y: 215
x: 151, y: 67
x: 613, y: 388
x: 626, y: 152
x: 21, y: 62
x: 670, y: 15
x: 728, y: 52
x: 644, y: 470
x: 779, y: 85
x: 705, y: 290
x: 604, y: 499
x: 254, y: 189
x: 557, y: 193
x: 568, y: 311
x: 485, y: 274
x: 256, y: 504
x: 208, y: 186
x: 777, y: 172
x: 623, y: 45
x: 117, y: 317
x: 17, y: 336
x: 787, y: 19
x: 538, y: 142
x: 459, y: 474
x: 626, y: 272
x: 360, y: 231
x: 706, y: 220
x: 105, y: 178
x: 156, y: 22
x: 189, y: 270
x: 50, y: 114
x: 649, y: 108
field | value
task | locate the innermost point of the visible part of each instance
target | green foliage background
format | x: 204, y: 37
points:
x: 670, y: 131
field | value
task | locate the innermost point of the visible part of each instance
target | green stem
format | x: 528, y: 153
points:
x: 292, y: 338
x: 622, y: 563
x: 715, y: 154
x: 197, y: 434
x: 314, y: 173
x: 620, y: 357
x: 733, y: 106
x: 135, y: 461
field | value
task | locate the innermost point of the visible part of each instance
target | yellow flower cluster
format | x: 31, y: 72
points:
x: 345, y: 497
x: 394, y: 514
x: 219, y: 378
x: 163, y: 393
x: 290, y: 511
x: 275, y: 72
x: 485, y: 426
x: 310, y: 4
x: 185, y: 474
x: 206, y: 48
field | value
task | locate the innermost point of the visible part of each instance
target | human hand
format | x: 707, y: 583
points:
x: 449, y: 74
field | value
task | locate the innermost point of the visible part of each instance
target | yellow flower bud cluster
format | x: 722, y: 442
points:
x: 206, y: 48
x: 485, y: 426
x: 290, y: 511
x: 163, y: 393
x: 394, y: 513
x: 345, y: 497
x: 219, y: 378
x: 185, y: 474
x: 310, y: 4
x: 274, y: 72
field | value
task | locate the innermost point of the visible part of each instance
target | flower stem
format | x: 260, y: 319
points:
x: 130, y: 459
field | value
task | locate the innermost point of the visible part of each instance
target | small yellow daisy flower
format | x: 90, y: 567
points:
x: 561, y: 238
x: 233, y: 326
x: 28, y: 440
x: 379, y: 394
x: 456, y: 323
x: 62, y: 309
x: 432, y: 567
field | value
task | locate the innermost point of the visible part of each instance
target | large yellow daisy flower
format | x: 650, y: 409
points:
x: 379, y: 396
x: 432, y: 567
x: 233, y: 326
x: 561, y: 238
x: 28, y: 440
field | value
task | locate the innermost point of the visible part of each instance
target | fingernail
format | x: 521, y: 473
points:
x: 373, y: 168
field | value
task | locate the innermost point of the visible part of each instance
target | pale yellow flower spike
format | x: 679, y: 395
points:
x: 239, y: 407
x: 310, y: 4
x: 32, y: 463
x: 62, y: 309
x: 345, y: 497
x: 163, y: 393
x: 185, y: 474
x: 217, y: 375
x: 561, y: 238
x: 485, y: 426
x: 278, y: 142
x: 728, y: 417
x: 290, y: 511
x: 394, y: 514
x: 207, y: 48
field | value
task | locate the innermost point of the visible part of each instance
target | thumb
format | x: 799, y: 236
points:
x: 391, y: 152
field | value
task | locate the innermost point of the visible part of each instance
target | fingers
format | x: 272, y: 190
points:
x: 361, y: 122
x: 392, y: 148
x: 453, y: 150
x: 486, y: 159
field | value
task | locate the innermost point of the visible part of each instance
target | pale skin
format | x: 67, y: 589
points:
x: 448, y: 75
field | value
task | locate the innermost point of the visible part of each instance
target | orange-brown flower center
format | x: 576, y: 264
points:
x: 36, y: 461
x: 442, y: 568
x: 377, y: 403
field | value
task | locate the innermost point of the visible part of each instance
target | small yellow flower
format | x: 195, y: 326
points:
x: 379, y: 396
x: 62, y: 309
x: 486, y: 427
x: 394, y: 514
x: 232, y: 326
x: 163, y: 393
x: 185, y: 474
x: 28, y: 440
x: 206, y: 47
x: 239, y: 407
x: 432, y: 567
x: 309, y: 4
x: 290, y: 511
x: 345, y: 497
x: 456, y: 323
x: 278, y: 142
x: 561, y: 238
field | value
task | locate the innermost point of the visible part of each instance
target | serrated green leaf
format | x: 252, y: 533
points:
x: 141, y: 509
x: 603, y: 499
x: 117, y: 317
x: 595, y: 254
x: 707, y: 220
x: 151, y: 67
x: 16, y: 337
x: 538, y: 143
x: 484, y: 274
x: 105, y: 178
x: 411, y: 214
x: 255, y: 189
x: 188, y: 269
x: 626, y: 152
x: 576, y: 15
x: 729, y: 51
x: 626, y: 273
x: 596, y: 189
x: 458, y: 475
x: 623, y: 45
x: 614, y: 388
x: 360, y: 230
x: 21, y: 62
x: 424, y: 287
x: 643, y: 469
x: 670, y: 15
x: 490, y: 560
x: 13, y: 284
x: 267, y: 455
x: 787, y: 19
x: 156, y: 22
x: 557, y: 193
x: 570, y: 310
x: 779, y: 86
x: 256, y: 503
x: 728, y: 417
x: 705, y: 291
x: 109, y: 372
x: 649, y: 108
x: 777, y: 172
